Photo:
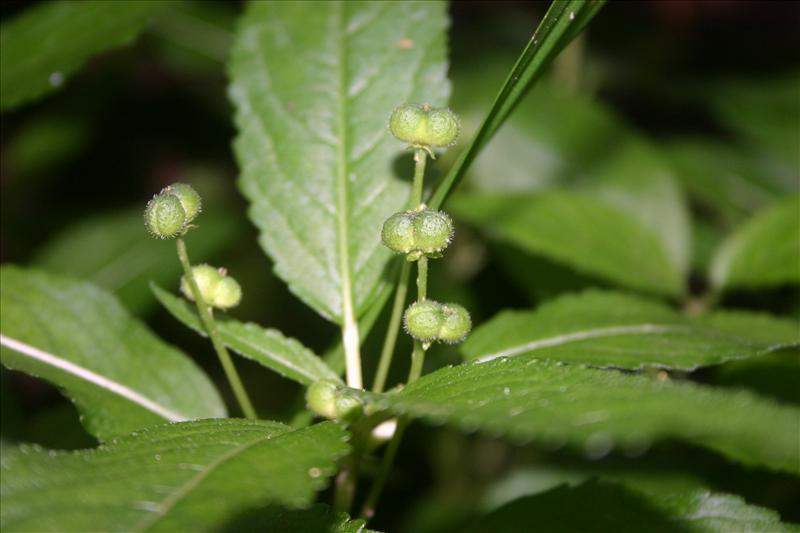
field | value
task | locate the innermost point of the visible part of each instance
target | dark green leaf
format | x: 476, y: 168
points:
x: 50, y: 41
x: 180, y: 477
x: 313, y: 90
x: 611, y: 507
x: 265, y: 346
x: 764, y: 252
x: 609, y: 329
x: 579, y: 230
x: 120, y: 376
x: 599, y: 410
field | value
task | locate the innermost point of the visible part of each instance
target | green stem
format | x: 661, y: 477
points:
x: 389, y: 342
x: 368, y: 510
x: 210, y: 325
x: 420, y: 157
x: 394, y: 328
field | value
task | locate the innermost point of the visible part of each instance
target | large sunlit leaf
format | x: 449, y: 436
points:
x: 764, y: 252
x: 50, y: 41
x: 598, y: 410
x: 114, y: 252
x: 268, y: 347
x: 78, y: 337
x: 613, y: 507
x: 609, y: 329
x: 180, y: 477
x: 584, y: 232
x: 313, y: 90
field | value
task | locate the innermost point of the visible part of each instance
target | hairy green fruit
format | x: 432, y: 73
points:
x: 418, y: 233
x: 408, y: 123
x: 228, y: 294
x: 165, y: 217
x: 190, y: 200
x: 398, y: 232
x: 456, y: 324
x: 329, y: 399
x: 423, y: 320
x: 216, y: 287
x: 425, y: 127
x: 443, y: 127
x: 433, y: 231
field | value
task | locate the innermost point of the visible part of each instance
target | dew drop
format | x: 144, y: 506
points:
x: 506, y: 391
x: 157, y: 457
x: 56, y: 79
x: 598, y: 445
x: 314, y: 472
x: 571, y: 15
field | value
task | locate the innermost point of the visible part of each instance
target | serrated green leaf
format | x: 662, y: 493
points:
x: 313, y: 89
x: 78, y: 337
x: 49, y: 42
x: 584, y: 232
x: 612, y: 507
x: 319, y: 518
x: 597, y: 410
x: 764, y: 252
x: 268, y: 347
x: 180, y: 477
x: 609, y: 329
x: 114, y: 252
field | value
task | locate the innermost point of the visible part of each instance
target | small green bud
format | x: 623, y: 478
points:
x: 328, y: 399
x: 424, y: 127
x: 398, y: 232
x: 423, y: 320
x: 207, y: 279
x: 228, y: 293
x: 455, y: 325
x: 216, y: 287
x: 433, y: 231
x: 408, y: 123
x: 443, y: 127
x: 321, y: 398
x: 190, y: 200
x: 164, y: 216
x: 348, y: 407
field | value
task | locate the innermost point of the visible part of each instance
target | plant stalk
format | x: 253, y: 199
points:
x: 392, y: 331
x: 387, y: 352
x: 207, y: 317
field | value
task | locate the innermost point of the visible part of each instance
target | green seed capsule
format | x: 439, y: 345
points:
x: 398, y: 232
x: 329, y: 399
x: 321, y: 398
x: 190, y: 200
x: 228, y: 293
x: 424, y: 127
x: 347, y: 406
x: 408, y: 123
x: 165, y: 217
x: 207, y: 278
x: 433, y: 231
x: 456, y: 324
x: 423, y: 320
x: 443, y: 128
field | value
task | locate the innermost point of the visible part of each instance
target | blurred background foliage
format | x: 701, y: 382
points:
x: 679, y: 117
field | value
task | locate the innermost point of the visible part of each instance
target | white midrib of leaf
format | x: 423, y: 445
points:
x: 160, y: 510
x: 637, y: 329
x: 350, y: 337
x: 96, y: 379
